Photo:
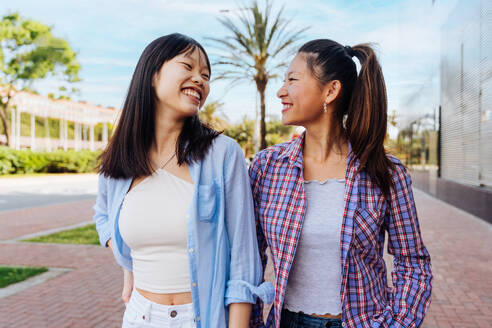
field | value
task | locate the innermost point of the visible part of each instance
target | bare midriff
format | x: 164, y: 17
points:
x: 327, y: 316
x: 167, y: 299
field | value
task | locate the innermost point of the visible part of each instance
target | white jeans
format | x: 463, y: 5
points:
x: 143, y: 313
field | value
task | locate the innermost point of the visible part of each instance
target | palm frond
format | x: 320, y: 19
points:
x: 287, y: 41
x: 232, y: 81
x: 255, y: 38
x: 233, y: 61
x: 277, y: 24
x: 238, y: 36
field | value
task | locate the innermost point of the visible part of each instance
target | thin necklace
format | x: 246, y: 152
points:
x: 167, y: 162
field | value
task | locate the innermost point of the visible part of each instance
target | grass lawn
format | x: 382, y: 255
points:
x: 84, y: 235
x: 11, y: 275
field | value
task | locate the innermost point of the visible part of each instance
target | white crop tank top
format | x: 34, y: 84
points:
x: 153, y: 220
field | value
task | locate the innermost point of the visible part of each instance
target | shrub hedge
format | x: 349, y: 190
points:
x: 25, y: 161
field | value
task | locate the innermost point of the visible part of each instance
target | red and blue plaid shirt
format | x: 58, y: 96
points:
x: 367, y: 301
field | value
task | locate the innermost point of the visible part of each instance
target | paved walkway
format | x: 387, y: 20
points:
x: 88, y: 296
x: 461, y: 250
x: 20, y: 191
x: 16, y: 223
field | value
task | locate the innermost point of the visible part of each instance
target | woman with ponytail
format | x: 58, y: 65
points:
x: 324, y: 200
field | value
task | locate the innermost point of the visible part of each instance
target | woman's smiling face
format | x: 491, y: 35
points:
x: 301, y: 95
x: 182, y: 84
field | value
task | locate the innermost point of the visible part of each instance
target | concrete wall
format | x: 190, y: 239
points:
x: 472, y: 199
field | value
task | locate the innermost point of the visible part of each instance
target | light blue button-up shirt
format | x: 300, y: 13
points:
x: 223, y: 255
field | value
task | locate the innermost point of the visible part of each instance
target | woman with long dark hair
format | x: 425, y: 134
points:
x: 324, y: 201
x: 174, y: 200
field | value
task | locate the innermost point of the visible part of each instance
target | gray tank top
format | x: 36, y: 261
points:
x: 315, y: 277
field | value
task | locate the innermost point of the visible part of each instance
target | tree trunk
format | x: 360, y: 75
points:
x: 261, y: 90
x: 3, y: 116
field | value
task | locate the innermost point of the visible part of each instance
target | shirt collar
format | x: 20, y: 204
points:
x: 294, y: 151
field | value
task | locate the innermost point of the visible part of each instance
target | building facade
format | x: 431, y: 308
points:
x: 83, y: 115
x: 466, y: 94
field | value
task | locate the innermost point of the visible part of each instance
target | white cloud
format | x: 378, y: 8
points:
x: 110, y: 37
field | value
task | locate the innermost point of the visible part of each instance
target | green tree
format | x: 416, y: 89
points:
x: 277, y: 132
x: 28, y: 52
x: 212, y: 114
x: 243, y: 134
x: 251, y: 50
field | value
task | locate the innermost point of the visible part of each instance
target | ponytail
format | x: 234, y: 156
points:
x: 366, y: 122
x: 361, y: 106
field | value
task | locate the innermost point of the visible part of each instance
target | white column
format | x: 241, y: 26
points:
x: 105, y: 133
x: 13, y: 130
x: 81, y: 142
x: 92, y: 137
x: 65, y: 135
x: 60, y: 142
x: 18, y: 128
x: 79, y: 133
x: 33, y: 132
x: 75, y: 139
x: 77, y: 136
x: 84, y: 136
x: 47, y: 133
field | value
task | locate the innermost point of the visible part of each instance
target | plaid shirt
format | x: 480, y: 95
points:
x: 367, y: 301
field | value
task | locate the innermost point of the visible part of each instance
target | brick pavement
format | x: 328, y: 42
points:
x: 17, y: 223
x: 84, y: 297
x: 88, y: 296
x: 461, y: 251
x: 460, y: 246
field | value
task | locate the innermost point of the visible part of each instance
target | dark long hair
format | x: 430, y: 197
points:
x: 362, y: 103
x: 127, y: 154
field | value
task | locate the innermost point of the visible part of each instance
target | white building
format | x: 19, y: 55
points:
x: 85, y: 117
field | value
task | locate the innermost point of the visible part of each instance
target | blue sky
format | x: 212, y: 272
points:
x: 109, y: 37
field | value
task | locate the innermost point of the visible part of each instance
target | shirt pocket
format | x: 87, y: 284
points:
x: 367, y: 226
x: 207, y: 202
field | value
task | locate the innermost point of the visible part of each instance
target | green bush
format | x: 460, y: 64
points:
x: 7, y: 158
x: 25, y: 161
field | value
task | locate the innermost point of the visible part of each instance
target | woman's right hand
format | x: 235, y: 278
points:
x: 127, y: 286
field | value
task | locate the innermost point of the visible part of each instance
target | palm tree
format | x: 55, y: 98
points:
x: 254, y: 49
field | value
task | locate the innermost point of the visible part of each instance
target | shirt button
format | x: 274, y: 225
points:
x: 191, y: 250
x: 194, y: 284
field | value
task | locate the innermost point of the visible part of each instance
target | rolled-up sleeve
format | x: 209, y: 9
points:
x: 246, y: 274
x: 101, y: 212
